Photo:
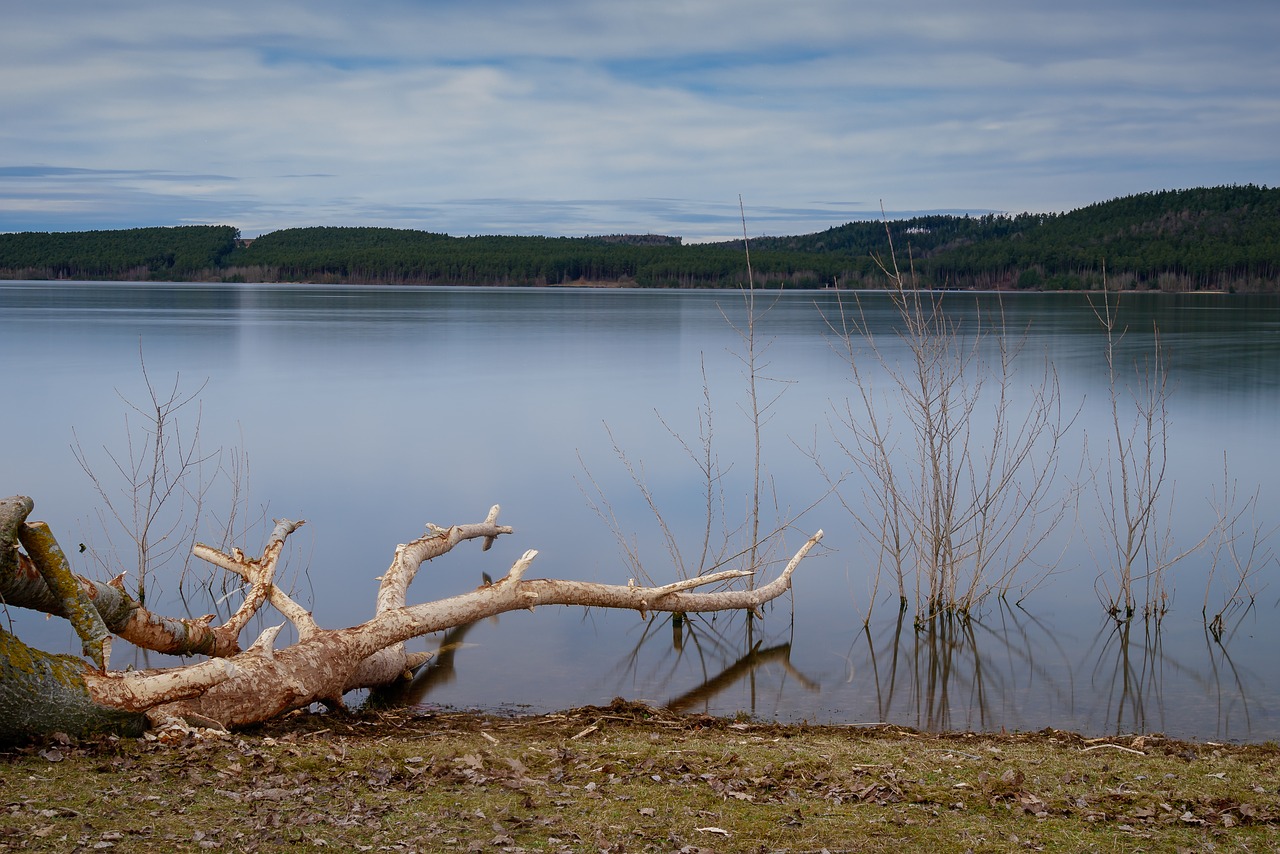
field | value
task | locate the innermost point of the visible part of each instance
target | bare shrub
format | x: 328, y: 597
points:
x: 155, y: 493
x: 957, y: 499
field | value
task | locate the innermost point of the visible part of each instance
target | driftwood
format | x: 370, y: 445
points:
x: 42, y: 693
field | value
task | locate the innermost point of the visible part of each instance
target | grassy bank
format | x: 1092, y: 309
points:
x: 631, y: 778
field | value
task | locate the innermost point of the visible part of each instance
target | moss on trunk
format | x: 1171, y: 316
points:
x: 42, y: 693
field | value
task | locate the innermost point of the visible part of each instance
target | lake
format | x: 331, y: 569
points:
x: 371, y: 411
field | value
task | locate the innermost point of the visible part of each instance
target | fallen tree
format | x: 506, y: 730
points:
x: 42, y: 693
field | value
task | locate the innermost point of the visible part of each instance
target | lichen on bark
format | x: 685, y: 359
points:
x: 43, y: 693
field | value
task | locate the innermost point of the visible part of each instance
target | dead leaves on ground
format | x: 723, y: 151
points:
x: 571, y: 781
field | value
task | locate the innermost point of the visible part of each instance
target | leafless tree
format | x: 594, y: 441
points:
x: 957, y: 456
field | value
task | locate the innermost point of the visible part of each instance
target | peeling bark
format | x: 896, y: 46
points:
x: 42, y: 693
x: 23, y: 585
x: 325, y: 665
x: 262, y: 681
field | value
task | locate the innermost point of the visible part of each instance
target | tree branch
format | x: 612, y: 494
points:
x: 73, y: 601
x: 262, y: 682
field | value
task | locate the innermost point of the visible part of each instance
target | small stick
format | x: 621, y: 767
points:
x: 1114, y: 747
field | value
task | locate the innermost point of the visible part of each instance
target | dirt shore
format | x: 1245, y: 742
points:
x: 633, y: 778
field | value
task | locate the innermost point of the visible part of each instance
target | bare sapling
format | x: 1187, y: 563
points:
x: 715, y: 535
x: 957, y: 454
x: 724, y: 540
x: 757, y: 411
x: 1130, y: 482
x: 155, y: 492
x: 1240, y: 551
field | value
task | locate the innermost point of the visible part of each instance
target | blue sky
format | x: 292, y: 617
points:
x: 568, y: 117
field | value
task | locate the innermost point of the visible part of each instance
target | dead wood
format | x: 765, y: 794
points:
x: 236, y: 688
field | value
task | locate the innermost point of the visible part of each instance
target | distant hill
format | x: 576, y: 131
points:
x: 133, y: 253
x: 1222, y: 238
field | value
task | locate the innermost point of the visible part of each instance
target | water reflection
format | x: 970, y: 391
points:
x: 424, y: 401
x: 725, y: 650
x: 756, y: 665
x: 717, y: 662
x: 1009, y: 670
x: 439, y: 671
x: 956, y: 671
x: 1012, y: 669
x: 1132, y: 669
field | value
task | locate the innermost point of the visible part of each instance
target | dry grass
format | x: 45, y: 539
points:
x: 631, y: 778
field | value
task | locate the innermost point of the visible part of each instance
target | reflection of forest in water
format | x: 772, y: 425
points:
x: 1005, y: 670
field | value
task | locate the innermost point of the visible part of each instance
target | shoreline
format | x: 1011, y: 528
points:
x: 624, y: 285
x: 628, y: 777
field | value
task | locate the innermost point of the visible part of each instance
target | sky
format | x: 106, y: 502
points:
x: 578, y: 117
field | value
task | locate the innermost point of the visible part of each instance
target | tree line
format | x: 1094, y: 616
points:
x: 134, y: 253
x: 1223, y: 238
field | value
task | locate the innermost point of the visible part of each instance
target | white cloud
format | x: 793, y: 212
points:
x: 412, y: 114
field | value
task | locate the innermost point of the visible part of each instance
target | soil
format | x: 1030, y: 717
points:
x: 628, y: 777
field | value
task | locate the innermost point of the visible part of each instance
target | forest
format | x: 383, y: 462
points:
x: 1220, y: 238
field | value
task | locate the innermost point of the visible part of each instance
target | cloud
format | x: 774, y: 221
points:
x: 102, y: 174
x: 505, y: 116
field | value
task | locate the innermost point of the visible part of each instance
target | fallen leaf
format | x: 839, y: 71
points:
x: 471, y: 760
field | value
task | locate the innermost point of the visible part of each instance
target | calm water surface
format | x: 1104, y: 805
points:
x: 372, y: 411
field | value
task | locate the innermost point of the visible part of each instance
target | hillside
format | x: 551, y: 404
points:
x: 1221, y: 238
x: 135, y: 253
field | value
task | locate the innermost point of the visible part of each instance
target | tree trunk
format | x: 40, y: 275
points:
x: 43, y: 693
